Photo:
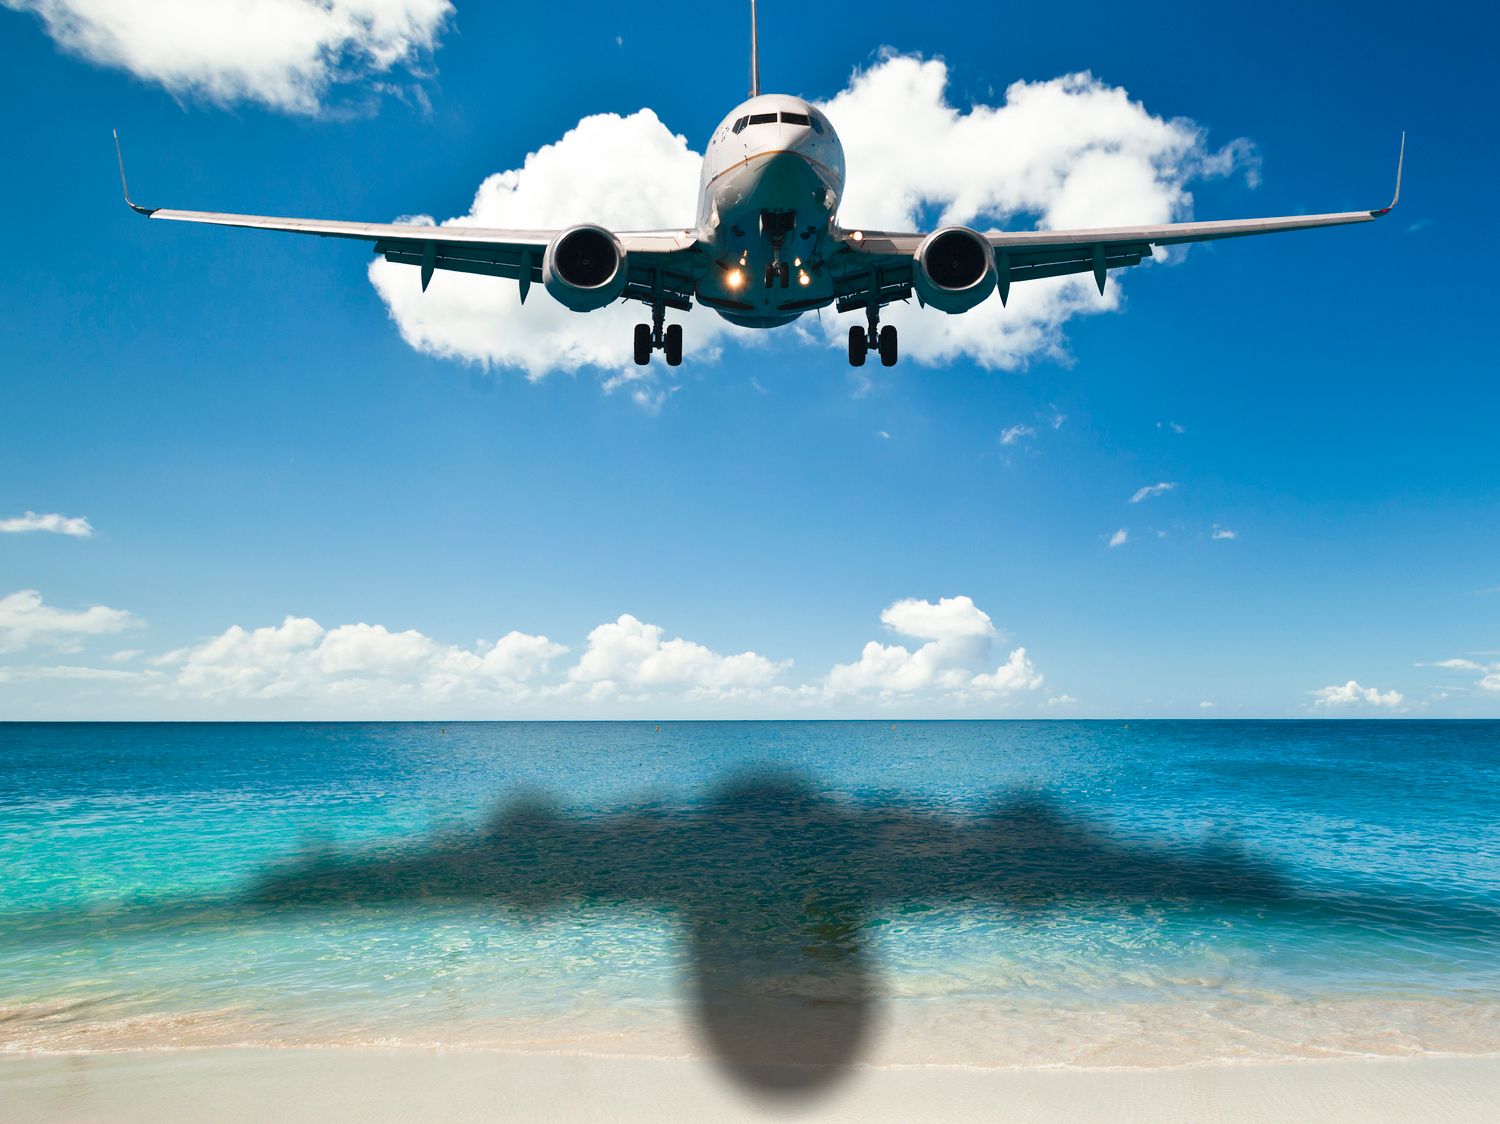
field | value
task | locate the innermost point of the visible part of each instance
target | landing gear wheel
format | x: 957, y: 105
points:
x: 642, y: 344
x: 859, y: 346
x: 888, y: 345
x: 673, y: 345
x: 785, y: 272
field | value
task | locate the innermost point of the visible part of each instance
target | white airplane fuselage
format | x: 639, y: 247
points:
x: 771, y: 188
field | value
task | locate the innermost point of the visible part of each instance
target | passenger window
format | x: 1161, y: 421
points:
x: 795, y: 119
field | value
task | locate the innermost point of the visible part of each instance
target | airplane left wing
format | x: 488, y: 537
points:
x: 664, y: 263
x: 877, y: 265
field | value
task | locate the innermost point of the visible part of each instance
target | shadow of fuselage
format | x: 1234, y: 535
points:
x: 775, y: 883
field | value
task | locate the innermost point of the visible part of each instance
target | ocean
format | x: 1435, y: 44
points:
x: 825, y: 894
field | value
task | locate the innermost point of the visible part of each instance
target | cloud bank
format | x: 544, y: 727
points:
x: 357, y: 664
x: 625, y: 666
x: 283, y: 54
x: 1070, y: 152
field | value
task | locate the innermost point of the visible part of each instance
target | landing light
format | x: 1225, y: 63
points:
x: 803, y: 279
x: 735, y: 278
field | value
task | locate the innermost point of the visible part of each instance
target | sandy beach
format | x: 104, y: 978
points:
x: 333, y: 1085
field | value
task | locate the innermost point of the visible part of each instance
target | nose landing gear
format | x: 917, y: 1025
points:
x: 776, y: 225
x: 653, y: 337
x: 874, y: 338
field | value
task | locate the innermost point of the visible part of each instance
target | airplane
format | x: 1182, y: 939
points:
x: 769, y: 244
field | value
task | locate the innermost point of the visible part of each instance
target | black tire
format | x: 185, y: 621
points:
x: 859, y: 346
x: 786, y: 276
x: 674, y: 345
x: 888, y: 345
x: 643, y: 344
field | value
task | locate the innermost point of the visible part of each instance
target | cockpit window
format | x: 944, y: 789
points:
x: 796, y: 119
x: 763, y: 119
x: 739, y: 126
x: 817, y: 123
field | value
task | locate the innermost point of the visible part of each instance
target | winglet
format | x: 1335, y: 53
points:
x: 1400, y: 160
x: 136, y: 207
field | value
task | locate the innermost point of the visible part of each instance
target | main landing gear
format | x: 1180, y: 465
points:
x: 874, y: 338
x: 653, y: 336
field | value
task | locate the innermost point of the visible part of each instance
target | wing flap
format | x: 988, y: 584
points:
x: 491, y: 260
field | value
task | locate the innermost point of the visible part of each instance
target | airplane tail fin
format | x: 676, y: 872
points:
x: 754, y: 53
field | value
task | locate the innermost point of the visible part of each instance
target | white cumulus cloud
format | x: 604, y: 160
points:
x: 625, y: 173
x: 1119, y: 538
x: 1352, y: 694
x: 1222, y: 534
x: 1064, y: 153
x: 1152, y: 490
x: 51, y: 523
x: 26, y: 620
x: 630, y: 656
x: 284, y: 54
x: 1014, y: 433
x: 1068, y: 152
x: 959, y: 639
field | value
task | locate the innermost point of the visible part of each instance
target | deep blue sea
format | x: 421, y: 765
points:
x: 978, y: 893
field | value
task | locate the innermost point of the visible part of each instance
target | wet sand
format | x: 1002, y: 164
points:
x: 227, y: 1086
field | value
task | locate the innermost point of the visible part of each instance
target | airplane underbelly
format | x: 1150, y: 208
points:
x: 771, y: 208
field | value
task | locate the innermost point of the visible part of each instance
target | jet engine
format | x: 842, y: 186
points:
x: 584, y: 268
x: 954, y: 269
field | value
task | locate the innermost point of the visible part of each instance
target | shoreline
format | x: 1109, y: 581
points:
x: 700, y: 1058
x: 961, y: 1034
x: 373, y: 1084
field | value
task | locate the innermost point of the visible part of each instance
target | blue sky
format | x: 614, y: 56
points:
x: 250, y: 437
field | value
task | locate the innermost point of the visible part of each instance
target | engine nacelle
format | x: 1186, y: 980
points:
x: 954, y: 269
x: 584, y: 268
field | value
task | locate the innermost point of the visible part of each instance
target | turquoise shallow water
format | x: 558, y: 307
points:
x: 978, y: 893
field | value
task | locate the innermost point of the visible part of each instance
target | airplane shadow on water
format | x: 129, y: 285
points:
x: 776, y: 883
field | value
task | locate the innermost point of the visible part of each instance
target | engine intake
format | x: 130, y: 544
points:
x: 954, y: 269
x: 584, y: 268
